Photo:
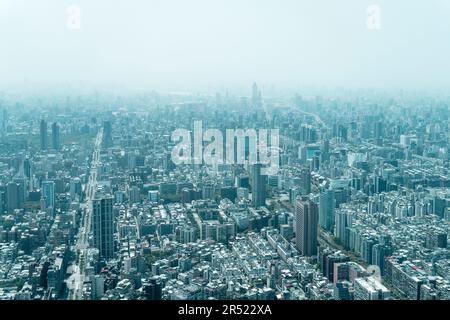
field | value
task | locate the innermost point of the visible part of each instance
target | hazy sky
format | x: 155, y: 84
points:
x: 205, y: 43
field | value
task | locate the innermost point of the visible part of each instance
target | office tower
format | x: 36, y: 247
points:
x: 59, y: 185
x: 294, y: 192
x: 308, y: 133
x: 186, y: 195
x: 273, y: 181
x: 228, y: 193
x: 208, y: 191
x: 153, y: 196
x: 103, y: 225
x: 2, y: 201
x: 43, y: 135
x: 256, y: 96
x: 48, y: 193
x: 21, y: 181
x: 327, y: 259
x: 27, y: 168
x: 107, y: 135
x: 152, y: 290
x: 305, y: 184
x: 326, y: 150
x: 379, y: 254
x: 343, y: 220
x: 436, y: 239
x: 55, y: 136
x: 258, y: 186
x: 12, y: 192
x: 131, y: 160
x: 316, y: 162
x: 75, y: 188
x: 134, y: 194
x: 380, y: 185
x: 306, y: 229
x: 326, y: 209
x: 97, y: 286
x: 378, y: 129
x: 119, y: 196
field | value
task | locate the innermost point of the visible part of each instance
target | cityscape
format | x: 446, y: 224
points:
x: 93, y: 207
x: 161, y: 154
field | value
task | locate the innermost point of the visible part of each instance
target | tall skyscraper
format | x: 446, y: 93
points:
x: 2, y: 201
x: 134, y: 194
x: 258, y: 186
x: 27, y: 168
x: 48, y: 192
x: 152, y: 289
x: 75, y: 188
x: 256, y: 96
x: 103, y: 225
x: 55, y: 136
x: 21, y: 182
x: 107, y: 135
x: 43, y: 135
x: 326, y: 150
x: 305, y: 176
x: 306, y: 228
x: 12, y: 193
x: 326, y: 209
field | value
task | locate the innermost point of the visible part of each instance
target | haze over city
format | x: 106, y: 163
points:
x: 204, y: 45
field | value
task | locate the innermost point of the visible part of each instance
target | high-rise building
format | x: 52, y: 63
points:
x: 436, y: 239
x: 343, y: 220
x: 134, y: 194
x: 97, y: 286
x: 379, y: 254
x: 152, y: 289
x: 48, y: 192
x: 55, y: 136
x: 27, y: 168
x: 20, y: 180
x: 75, y: 188
x: 326, y: 209
x: 107, y: 135
x: 306, y: 229
x: 2, y: 201
x: 43, y: 135
x: 12, y: 193
x: 326, y: 150
x: 258, y: 186
x: 305, y: 178
x: 153, y: 196
x: 103, y: 225
x: 229, y: 193
x: 256, y: 96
